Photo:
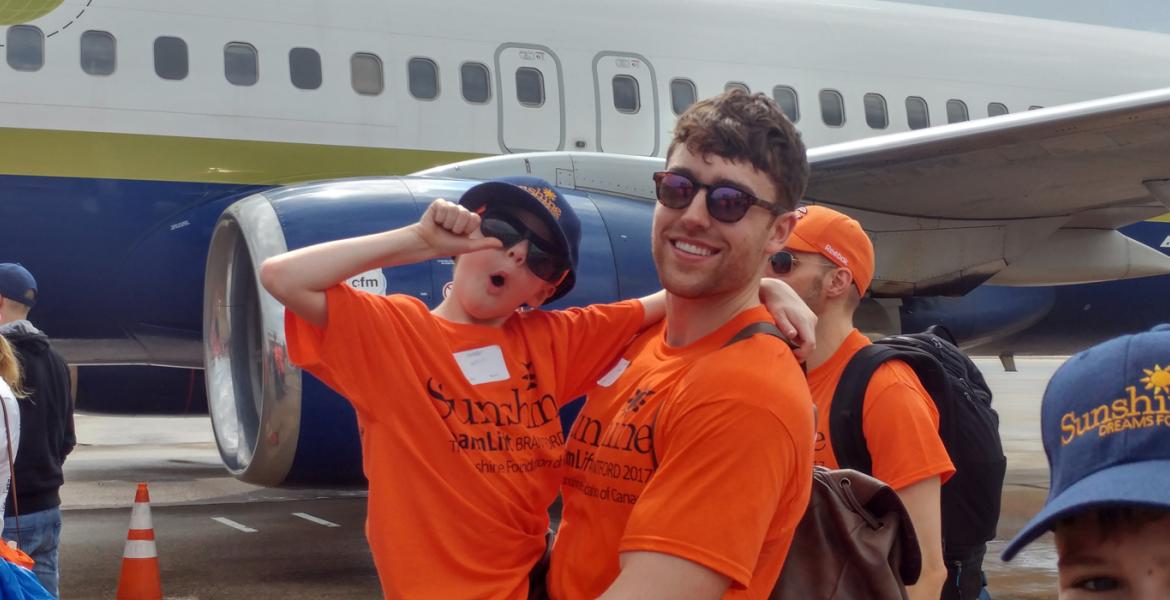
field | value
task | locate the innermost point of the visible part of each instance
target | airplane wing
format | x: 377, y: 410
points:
x: 1032, y: 198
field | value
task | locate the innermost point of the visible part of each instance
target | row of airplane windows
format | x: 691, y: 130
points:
x: 25, y: 51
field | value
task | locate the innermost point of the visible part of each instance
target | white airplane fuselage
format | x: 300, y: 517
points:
x: 115, y: 160
x: 852, y: 47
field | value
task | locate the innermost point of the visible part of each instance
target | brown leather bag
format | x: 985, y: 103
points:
x: 854, y: 542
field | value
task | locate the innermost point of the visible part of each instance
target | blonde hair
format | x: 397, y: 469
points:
x: 10, y: 368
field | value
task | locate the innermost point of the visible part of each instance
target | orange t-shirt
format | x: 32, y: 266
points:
x: 898, y: 417
x: 461, y: 440
x: 733, y: 439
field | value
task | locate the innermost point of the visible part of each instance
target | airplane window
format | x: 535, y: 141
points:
x: 917, y: 113
x: 956, y: 111
x: 530, y: 87
x: 735, y: 85
x: 170, y: 57
x: 423, y: 75
x: 786, y: 98
x: 996, y: 109
x: 98, y: 50
x: 477, y: 87
x: 26, y: 48
x: 1035, y: 107
x: 625, y: 94
x: 682, y: 94
x: 304, y: 68
x: 365, y: 74
x: 832, y: 108
x: 876, y: 115
x: 241, y: 65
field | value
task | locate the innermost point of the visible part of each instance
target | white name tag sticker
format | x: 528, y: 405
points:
x: 609, y: 378
x: 483, y: 365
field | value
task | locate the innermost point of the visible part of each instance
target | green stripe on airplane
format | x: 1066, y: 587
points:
x: 13, y: 12
x: 50, y: 153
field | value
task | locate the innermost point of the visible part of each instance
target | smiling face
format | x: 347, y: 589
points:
x: 700, y: 257
x: 489, y: 285
x: 1124, y: 555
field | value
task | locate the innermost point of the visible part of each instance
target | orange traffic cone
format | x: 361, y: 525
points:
x: 140, y: 578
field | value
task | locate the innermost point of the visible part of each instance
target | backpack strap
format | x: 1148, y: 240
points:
x: 752, y: 329
x: 846, y: 431
x: 11, y: 471
x: 764, y: 327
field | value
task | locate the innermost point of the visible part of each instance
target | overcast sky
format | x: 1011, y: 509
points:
x: 1149, y: 15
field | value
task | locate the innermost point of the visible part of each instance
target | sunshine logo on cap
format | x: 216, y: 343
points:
x: 546, y: 197
x: 1158, y: 379
x: 1134, y: 410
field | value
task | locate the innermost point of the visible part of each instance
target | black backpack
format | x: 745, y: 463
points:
x: 968, y: 426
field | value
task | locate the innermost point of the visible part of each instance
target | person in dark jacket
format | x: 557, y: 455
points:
x: 46, y: 429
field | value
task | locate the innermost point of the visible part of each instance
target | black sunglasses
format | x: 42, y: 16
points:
x: 783, y: 262
x: 725, y: 202
x: 544, y: 258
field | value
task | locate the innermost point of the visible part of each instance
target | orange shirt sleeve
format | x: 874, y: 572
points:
x: 587, y: 341
x: 900, y: 421
x: 726, y: 464
x: 363, y: 334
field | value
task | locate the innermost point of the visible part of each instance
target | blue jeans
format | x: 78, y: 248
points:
x: 40, y: 532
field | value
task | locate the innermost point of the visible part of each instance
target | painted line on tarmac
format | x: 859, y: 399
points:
x: 317, y: 520
x: 233, y: 524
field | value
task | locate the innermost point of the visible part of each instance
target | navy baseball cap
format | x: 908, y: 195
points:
x: 16, y: 283
x: 1105, y: 422
x: 536, y: 196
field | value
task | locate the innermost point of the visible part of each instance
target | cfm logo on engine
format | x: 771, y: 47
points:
x: 373, y: 282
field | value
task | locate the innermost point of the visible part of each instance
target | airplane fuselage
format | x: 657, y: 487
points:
x: 137, y: 122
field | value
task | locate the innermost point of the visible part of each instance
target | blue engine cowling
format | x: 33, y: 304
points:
x: 275, y: 424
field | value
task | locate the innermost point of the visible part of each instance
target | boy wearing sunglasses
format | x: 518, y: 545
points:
x: 458, y: 406
x: 691, y: 463
x: 829, y: 261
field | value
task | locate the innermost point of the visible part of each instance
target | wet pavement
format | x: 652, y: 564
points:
x: 1032, y: 573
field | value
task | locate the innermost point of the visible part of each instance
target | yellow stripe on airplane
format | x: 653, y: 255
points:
x: 49, y: 153
x: 13, y: 13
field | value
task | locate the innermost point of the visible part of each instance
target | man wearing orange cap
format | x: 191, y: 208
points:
x: 829, y: 261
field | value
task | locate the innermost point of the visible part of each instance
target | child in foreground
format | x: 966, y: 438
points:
x: 1105, y: 423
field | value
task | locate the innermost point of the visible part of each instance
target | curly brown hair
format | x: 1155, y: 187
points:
x: 750, y: 127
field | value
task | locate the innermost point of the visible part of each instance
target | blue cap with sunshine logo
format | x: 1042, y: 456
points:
x: 1105, y: 422
x: 534, y: 195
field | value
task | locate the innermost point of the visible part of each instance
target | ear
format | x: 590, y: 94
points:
x: 538, y: 299
x: 840, y: 282
x: 781, y: 229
